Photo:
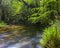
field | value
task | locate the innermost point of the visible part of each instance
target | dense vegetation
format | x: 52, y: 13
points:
x: 42, y: 13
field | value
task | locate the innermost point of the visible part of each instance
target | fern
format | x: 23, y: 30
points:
x: 51, y: 34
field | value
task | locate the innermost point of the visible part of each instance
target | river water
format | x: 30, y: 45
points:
x: 22, y: 41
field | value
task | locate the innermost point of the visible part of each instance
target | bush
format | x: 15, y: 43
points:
x: 51, y: 36
x: 2, y: 24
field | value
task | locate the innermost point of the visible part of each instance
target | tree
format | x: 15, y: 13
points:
x: 11, y: 8
x: 0, y: 10
x: 45, y: 12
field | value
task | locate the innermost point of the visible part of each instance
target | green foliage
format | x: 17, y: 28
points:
x: 16, y: 7
x: 45, y: 17
x: 43, y: 12
x: 35, y: 12
x: 30, y: 1
x: 33, y: 3
x: 30, y: 10
x: 58, y: 5
x: 12, y: 7
x: 51, y: 34
x: 2, y: 24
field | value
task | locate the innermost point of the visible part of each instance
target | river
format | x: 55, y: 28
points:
x: 22, y: 41
x: 31, y: 43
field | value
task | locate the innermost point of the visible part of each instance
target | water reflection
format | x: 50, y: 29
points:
x: 31, y: 43
x: 19, y: 45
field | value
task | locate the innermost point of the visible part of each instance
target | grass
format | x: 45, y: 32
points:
x: 2, y: 24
